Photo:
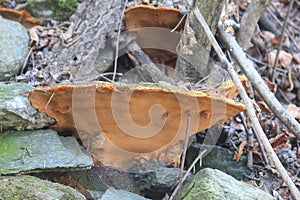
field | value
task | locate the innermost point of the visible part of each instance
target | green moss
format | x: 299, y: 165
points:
x: 7, y: 146
x: 68, y: 5
x: 31, y: 188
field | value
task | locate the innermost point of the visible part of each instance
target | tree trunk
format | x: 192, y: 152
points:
x: 194, y: 48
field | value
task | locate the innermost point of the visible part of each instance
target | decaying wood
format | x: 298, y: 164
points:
x: 87, y: 48
x: 250, y: 110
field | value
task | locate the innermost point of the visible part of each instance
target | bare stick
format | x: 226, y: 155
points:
x: 186, y: 141
x: 281, y: 39
x: 146, y: 64
x: 199, y: 157
x: 117, y: 45
x: 251, y: 112
x: 258, y: 83
x: 249, y: 141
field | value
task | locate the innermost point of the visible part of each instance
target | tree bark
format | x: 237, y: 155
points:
x: 194, y: 48
x: 249, y: 22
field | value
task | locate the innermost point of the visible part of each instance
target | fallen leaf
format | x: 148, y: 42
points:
x: 271, y: 86
x: 279, y: 142
x: 239, y: 152
x: 268, y: 36
x: 294, y: 111
x: 285, y: 59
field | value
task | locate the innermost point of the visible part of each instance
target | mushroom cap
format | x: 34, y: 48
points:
x: 23, y: 17
x: 117, y: 121
x: 150, y: 16
x: 139, y: 19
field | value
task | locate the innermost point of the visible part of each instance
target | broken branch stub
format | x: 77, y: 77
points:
x: 128, y: 123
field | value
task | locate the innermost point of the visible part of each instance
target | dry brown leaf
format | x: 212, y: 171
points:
x: 279, y: 142
x: 239, y: 152
x: 271, y: 86
x: 296, y: 58
x: 264, y: 108
x: 285, y: 59
x: 268, y: 36
x: 294, y: 111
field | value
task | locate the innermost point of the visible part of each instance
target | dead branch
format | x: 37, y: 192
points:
x: 146, y: 64
x: 281, y: 39
x: 259, y: 85
x: 250, y: 110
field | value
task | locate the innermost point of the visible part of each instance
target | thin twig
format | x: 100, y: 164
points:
x: 26, y: 60
x: 259, y: 84
x: 199, y: 157
x: 117, y: 45
x: 287, y: 31
x: 182, y: 18
x: 262, y: 149
x: 186, y: 141
x: 251, y: 112
x: 249, y: 141
x: 290, y: 23
x: 281, y: 39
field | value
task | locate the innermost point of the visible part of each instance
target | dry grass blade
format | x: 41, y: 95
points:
x: 117, y: 45
x: 184, y: 152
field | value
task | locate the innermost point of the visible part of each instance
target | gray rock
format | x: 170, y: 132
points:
x: 218, y: 158
x: 32, y: 188
x: 155, y: 184
x: 13, y: 49
x: 101, y: 178
x: 114, y: 194
x: 49, y: 9
x: 152, y: 184
x: 41, y: 150
x: 212, y: 184
x: 16, y: 111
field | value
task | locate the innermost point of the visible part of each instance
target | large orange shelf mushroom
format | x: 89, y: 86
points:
x: 118, y: 121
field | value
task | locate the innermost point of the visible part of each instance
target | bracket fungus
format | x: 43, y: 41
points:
x: 127, y: 123
x: 23, y: 17
x: 153, y: 28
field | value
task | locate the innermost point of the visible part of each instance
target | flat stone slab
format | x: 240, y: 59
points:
x: 40, y: 150
x: 29, y: 187
x: 113, y: 194
x: 213, y: 184
x: 16, y: 111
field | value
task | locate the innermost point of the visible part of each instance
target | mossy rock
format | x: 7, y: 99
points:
x: 48, y: 9
x: 41, y: 150
x: 213, y: 184
x: 32, y: 188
